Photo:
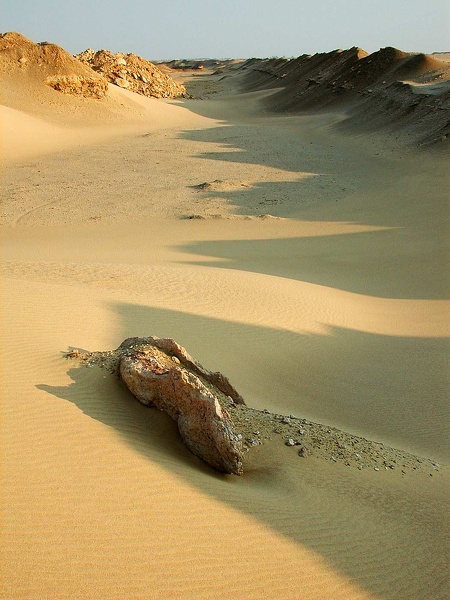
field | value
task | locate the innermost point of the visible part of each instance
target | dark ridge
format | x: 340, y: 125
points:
x: 388, y: 89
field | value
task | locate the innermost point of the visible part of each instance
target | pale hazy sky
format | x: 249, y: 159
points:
x: 231, y: 28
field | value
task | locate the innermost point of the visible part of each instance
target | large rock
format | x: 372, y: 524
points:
x: 161, y: 373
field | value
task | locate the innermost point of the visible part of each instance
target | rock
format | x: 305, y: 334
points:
x: 252, y: 442
x: 123, y: 83
x: 142, y: 76
x: 190, y: 394
x: 304, y: 452
x: 88, y: 87
x: 290, y: 442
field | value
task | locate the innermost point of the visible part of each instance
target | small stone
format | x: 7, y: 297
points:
x: 290, y: 442
x: 256, y: 432
x: 301, y: 431
x: 266, y: 411
x: 292, y: 416
x: 22, y: 60
x: 176, y: 360
x: 304, y: 452
x: 376, y: 468
x: 123, y: 83
x: 286, y: 420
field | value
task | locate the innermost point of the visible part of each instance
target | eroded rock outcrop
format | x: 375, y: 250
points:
x: 160, y: 373
x: 87, y: 87
x: 132, y: 72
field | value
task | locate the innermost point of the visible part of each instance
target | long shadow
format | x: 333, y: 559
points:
x: 393, y: 399
x: 322, y: 182
x: 346, y: 183
x: 383, y: 263
x: 356, y: 181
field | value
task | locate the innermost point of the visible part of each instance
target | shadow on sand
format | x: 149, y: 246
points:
x: 300, y: 500
x: 342, y: 179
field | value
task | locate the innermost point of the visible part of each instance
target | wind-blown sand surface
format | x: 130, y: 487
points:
x: 333, y: 309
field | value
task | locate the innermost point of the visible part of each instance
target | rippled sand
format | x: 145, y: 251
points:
x: 332, y: 309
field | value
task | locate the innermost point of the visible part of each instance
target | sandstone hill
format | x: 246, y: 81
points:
x: 50, y: 64
x: 132, y: 72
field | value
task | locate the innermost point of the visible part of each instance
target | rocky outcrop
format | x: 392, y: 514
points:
x: 160, y: 373
x: 88, y: 87
x: 132, y: 72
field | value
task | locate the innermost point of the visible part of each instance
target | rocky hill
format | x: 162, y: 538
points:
x: 132, y: 72
x: 50, y: 64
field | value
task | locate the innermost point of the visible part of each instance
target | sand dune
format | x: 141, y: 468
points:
x: 368, y: 87
x: 315, y: 278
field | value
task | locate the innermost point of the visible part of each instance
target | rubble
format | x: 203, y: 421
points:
x: 132, y: 72
x: 88, y: 87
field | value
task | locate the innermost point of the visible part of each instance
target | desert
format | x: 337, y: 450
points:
x: 285, y: 221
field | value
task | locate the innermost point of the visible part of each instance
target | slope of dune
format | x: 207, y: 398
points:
x: 35, y: 117
x: 368, y: 88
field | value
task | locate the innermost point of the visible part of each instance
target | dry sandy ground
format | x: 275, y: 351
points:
x: 332, y: 309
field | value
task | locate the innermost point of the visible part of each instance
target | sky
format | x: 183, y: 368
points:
x: 169, y: 29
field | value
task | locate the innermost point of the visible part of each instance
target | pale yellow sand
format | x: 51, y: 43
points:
x: 335, y: 311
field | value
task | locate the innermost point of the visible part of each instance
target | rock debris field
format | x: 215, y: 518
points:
x: 132, y: 72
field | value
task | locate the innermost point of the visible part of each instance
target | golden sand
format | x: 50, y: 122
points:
x: 333, y: 309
